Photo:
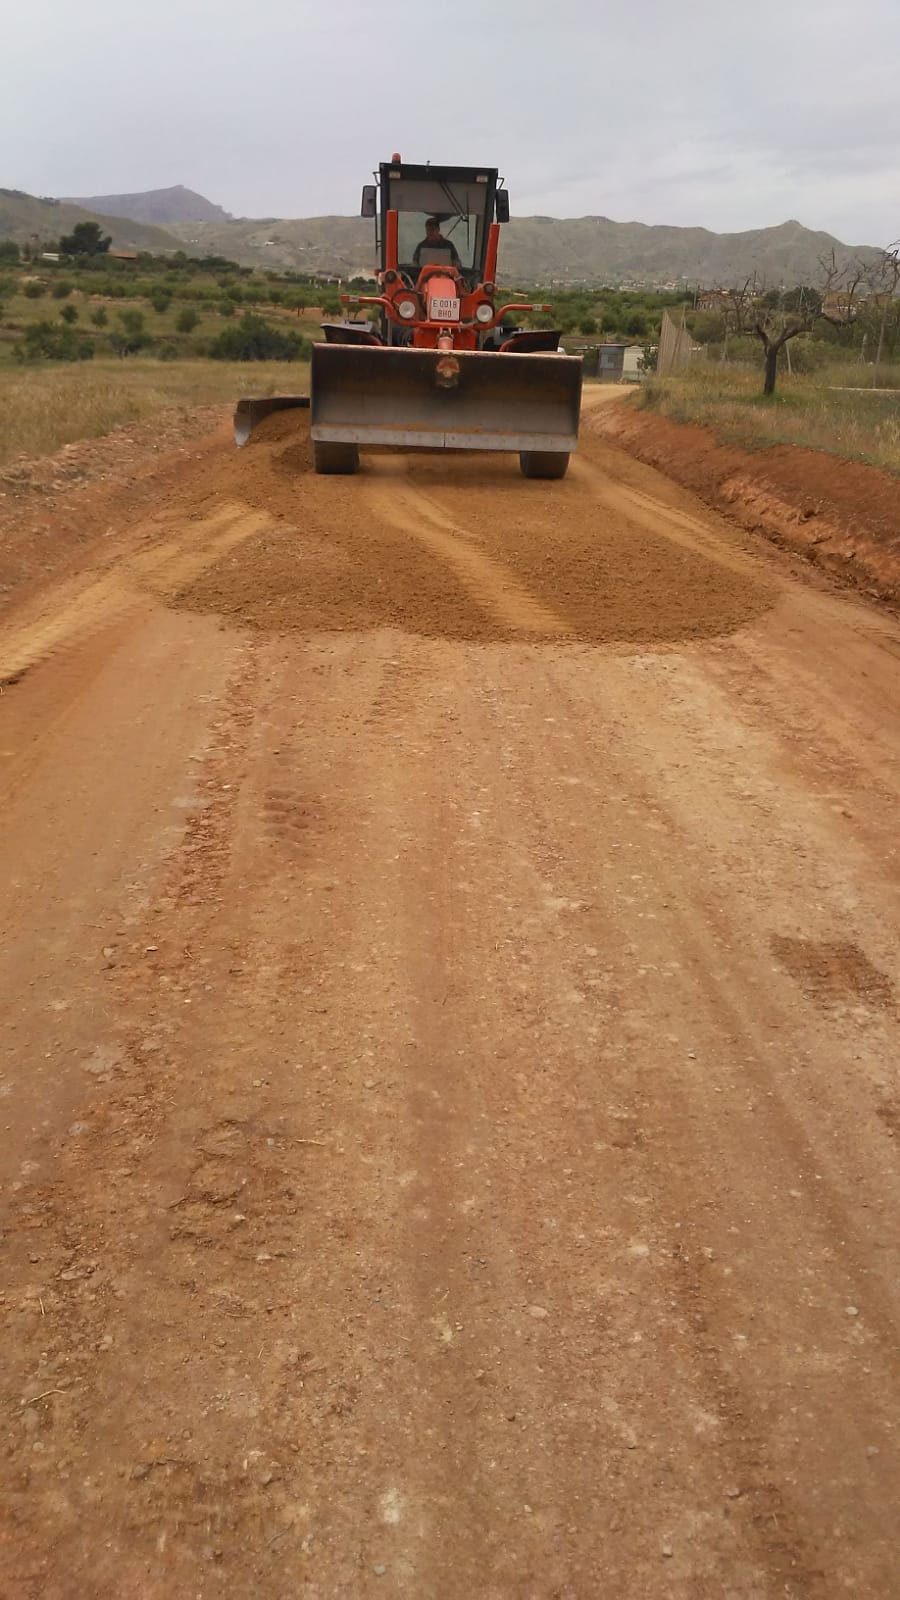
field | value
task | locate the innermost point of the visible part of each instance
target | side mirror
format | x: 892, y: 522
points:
x: 502, y: 204
x: 369, y: 207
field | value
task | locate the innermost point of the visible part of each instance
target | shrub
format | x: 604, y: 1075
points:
x: 33, y: 291
x: 160, y: 299
x: 62, y: 289
x: 253, y: 339
x: 187, y: 320
x: 48, y: 341
x: 99, y: 317
x: 69, y: 314
x: 133, y: 336
x: 132, y: 321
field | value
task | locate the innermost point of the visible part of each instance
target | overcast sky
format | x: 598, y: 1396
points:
x: 708, y: 112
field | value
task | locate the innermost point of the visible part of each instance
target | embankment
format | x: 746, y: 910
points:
x: 841, y: 514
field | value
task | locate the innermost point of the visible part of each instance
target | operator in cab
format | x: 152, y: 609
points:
x: 434, y: 250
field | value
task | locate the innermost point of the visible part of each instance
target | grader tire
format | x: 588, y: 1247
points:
x: 335, y: 458
x: 543, y: 463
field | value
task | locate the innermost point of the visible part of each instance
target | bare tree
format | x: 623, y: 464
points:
x: 885, y: 283
x: 735, y: 308
x: 774, y: 326
x: 740, y: 303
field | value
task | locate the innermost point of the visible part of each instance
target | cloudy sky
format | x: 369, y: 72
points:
x: 708, y: 112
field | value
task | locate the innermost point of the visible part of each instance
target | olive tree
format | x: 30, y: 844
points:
x: 775, y: 316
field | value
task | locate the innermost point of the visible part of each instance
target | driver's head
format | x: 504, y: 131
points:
x: 432, y: 228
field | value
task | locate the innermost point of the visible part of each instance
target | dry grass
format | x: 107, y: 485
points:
x: 43, y: 408
x: 821, y: 412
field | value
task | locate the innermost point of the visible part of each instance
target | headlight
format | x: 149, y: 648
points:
x: 406, y: 309
x: 484, y: 312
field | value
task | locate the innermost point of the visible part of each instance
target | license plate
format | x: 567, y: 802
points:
x: 443, y: 308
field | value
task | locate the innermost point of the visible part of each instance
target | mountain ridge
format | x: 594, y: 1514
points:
x: 589, y: 250
x: 26, y: 217
x: 156, y: 206
x: 547, y: 250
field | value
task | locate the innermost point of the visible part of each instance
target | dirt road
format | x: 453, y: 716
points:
x: 450, y: 1043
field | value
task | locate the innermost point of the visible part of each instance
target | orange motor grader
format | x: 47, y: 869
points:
x: 440, y: 364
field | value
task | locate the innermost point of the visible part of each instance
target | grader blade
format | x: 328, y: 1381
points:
x: 248, y: 413
x: 446, y: 400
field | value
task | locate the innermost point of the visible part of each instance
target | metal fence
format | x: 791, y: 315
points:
x: 676, y: 347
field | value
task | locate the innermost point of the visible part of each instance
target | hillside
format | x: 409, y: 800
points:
x: 23, y: 216
x: 158, y: 206
x: 538, y: 250
x: 542, y: 249
x: 342, y: 245
x: 594, y: 247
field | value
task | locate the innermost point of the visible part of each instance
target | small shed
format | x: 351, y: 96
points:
x: 631, y: 363
x: 611, y: 359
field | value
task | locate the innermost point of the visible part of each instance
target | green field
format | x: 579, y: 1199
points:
x: 89, y: 306
x: 18, y: 312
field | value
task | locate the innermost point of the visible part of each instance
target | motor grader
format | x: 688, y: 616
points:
x: 439, y: 364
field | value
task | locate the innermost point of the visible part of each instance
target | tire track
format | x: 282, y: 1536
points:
x: 78, y: 610
x: 491, y: 584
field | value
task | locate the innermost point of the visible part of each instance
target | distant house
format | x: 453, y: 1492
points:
x: 49, y: 255
x: 122, y: 255
x: 715, y: 300
x: 839, y: 305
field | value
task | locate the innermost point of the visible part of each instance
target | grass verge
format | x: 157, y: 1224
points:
x: 820, y: 412
x: 43, y: 408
